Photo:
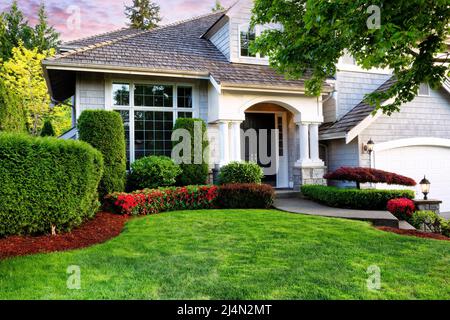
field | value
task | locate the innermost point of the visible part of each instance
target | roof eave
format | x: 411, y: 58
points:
x: 49, y: 64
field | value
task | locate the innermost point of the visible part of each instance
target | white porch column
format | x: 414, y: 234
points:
x: 224, y: 143
x: 304, y: 144
x: 314, y: 142
x: 236, y: 141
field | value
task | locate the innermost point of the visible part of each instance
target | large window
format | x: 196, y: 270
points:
x: 149, y: 114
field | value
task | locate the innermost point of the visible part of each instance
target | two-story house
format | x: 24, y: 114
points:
x: 203, y: 68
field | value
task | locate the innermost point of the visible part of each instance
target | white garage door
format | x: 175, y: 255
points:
x: 417, y: 161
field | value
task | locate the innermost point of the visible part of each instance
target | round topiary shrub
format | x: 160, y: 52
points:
x: 193, y: 173
x: 104, y: 131
x: 153, y: 172
x: 46, y: 184
x: 241, y: 172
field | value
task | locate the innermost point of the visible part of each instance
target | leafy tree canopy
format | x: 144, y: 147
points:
x: 217, y: 7
x: 406, y: 36
x: 143, y: 14
x: 23, y: 77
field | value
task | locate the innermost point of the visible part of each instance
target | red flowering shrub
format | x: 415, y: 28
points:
x: 245, y: 195
x: 402, y: 208
x: 148, y: 201
x: 367, y: 175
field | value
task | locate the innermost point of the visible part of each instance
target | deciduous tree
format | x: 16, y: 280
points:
x: 407, y: 36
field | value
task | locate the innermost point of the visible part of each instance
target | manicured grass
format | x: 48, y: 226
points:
x: 238, y: 254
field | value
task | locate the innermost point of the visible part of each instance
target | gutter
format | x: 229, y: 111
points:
x: 50, y: 65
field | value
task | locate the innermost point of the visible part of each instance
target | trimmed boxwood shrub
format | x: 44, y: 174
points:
x: 104, y: 131
x: 153, y: 172
x: 191, y: 173
x: 47, y: 129
x: 241, y: 172
x: 244, y: 196
x: 46, y: 182
x: 366, y: 199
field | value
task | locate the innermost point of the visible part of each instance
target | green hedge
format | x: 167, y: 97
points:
x: 46, y: 182
x: 152, y: 172
x: 245, y: 196
x: 104, y: 131
x: 365, y: 199
x: 193, y: 174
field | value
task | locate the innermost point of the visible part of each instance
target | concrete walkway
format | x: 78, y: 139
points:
x: 303, y: 206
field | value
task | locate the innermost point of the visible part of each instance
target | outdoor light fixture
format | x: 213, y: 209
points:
x: 369, y: 146
x: 425, y: 185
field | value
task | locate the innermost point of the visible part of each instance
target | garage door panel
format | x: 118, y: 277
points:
x: 417, y: 161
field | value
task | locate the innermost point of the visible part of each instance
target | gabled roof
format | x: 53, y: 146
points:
x: 177, y: 48
x: 353, y: 118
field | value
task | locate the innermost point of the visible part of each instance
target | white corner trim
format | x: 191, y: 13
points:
x: 356, y: 131
x: 216, y: 85
x: 419, y: 141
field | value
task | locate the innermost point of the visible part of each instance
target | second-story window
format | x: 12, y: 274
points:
x: 247, y: 36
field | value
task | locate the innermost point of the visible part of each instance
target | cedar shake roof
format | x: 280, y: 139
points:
x: 175, y: 48
x: 353, y: 117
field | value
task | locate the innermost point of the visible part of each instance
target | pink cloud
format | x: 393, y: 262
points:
x: 98, y: 16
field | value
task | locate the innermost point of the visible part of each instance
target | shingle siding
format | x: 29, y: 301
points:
x: 91, y: 90
x: 353, y: 86
x: 221, y: 39
x: 422, y: 117
x: 340, y: 154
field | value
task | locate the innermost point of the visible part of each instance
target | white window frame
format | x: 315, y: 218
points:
x: 132, y: 108
x: 424, y: 95
x: 258, y: 30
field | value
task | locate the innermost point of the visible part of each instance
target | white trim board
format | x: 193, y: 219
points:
x: 419, y: 141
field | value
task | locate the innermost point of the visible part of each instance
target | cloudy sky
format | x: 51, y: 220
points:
x: 81, y: 18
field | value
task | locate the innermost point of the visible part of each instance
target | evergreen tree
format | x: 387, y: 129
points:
x: 217, y: 7
x: 143, y: 14
x: 47, y: 129
x: 45, y: 36
x: 17, y: 29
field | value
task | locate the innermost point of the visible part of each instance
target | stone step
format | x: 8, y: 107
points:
x: 286, y: 194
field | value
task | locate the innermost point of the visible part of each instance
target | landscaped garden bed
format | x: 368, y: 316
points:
x: 102, y: 228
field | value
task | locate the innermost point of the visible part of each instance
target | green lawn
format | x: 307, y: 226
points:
x: 238, y: 254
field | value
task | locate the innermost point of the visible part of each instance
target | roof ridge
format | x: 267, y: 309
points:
x: 68, y: 43
x: 129, y: 36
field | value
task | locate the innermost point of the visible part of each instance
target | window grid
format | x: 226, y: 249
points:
x: 148, y: 129
x: 246, y: 38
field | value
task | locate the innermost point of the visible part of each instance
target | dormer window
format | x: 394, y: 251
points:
x: 247, y: 36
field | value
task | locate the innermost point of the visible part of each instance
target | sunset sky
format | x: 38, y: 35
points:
x: 98, y: 16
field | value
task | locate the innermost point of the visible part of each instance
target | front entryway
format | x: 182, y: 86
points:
x: 266, y: 146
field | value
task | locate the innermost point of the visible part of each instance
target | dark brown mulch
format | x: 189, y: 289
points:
x: 415, y: 233
x: 103, y: 227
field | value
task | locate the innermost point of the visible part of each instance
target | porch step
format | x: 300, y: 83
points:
x: 286, y: 194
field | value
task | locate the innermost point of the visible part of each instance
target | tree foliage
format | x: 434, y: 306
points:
x: 12, y: 115
x: 14, y: 29
x: 143, y: 14
x: 23, y: 77
x: 45, y: 37
x: 314, y: 34
x: 217, y: 7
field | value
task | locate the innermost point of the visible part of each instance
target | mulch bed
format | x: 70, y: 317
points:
x: 103, y: 227
x: 415, y: 233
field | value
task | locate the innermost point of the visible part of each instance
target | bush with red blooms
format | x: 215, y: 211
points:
x: 245, y: 196
x: 151, y: 201
x: 367, y: 175
x: 402, y: 208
